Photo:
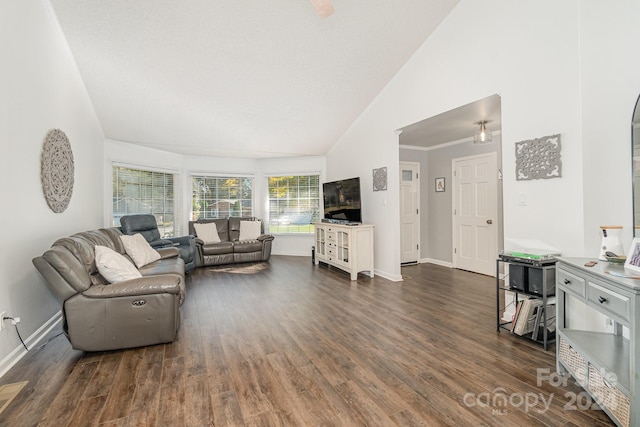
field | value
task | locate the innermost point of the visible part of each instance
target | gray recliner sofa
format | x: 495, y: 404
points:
x: 99, y: 316
x: 230, y: 249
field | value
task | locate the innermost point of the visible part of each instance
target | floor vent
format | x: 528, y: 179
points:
x: 8, y: 392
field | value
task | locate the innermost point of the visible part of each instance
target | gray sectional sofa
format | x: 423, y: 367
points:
x: 99, y: 316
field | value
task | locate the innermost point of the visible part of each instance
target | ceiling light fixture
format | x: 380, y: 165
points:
x: 482, y: 136
x: 323, y: 7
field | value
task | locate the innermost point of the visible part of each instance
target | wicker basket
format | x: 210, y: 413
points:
x: 573, y: 360
x: 609, y: 396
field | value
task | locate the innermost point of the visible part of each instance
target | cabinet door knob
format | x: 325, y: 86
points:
x: 567, y: 281
x: 602, y: 299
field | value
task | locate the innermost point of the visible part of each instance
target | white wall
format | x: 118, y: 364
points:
x: 369, y: 144
x: 546, y: 60
x: 41, y: 90
x: 610, y: 86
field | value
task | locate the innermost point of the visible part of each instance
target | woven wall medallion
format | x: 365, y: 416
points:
x: 539, y: 158
x: 57, y: 170
x: 380, y: 179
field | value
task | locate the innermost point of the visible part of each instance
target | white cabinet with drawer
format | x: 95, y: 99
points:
x: 348, y: 247
x: 606, y: 364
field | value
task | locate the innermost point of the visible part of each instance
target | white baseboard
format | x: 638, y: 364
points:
x: 285, y: 253
x: 436, y: 262
x: 392, y: 277
x: 19, y: 352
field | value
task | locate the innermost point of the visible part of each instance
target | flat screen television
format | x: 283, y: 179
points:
x: 342, y: 200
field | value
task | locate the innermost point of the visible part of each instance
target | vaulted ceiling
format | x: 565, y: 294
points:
x: 250, y: 78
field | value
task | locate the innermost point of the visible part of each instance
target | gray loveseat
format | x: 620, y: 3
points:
x: 230, y: 249
x: 99, y: 316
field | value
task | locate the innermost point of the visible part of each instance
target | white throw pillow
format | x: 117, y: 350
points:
x: 113, y: 266
x: 208, y: 232
x: 139, y: 249
x: 250, y: 230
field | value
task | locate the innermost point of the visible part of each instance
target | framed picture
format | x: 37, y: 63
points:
x: 440, y: 185
x: 633, y: 258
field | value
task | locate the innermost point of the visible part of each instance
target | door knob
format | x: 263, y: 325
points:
x: 489, y: 221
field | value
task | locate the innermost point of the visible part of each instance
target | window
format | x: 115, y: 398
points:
x: 137, y: 191
x: 221, y: 197
x: 294, y: 203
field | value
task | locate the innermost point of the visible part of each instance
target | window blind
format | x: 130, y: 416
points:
x: 221, y: 196
x: 138, y: 191
x: 294, y: 203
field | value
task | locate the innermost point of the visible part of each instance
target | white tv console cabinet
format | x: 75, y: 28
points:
x: 605, y: 364
x: 347, y: 247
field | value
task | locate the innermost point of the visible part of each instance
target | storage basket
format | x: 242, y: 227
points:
x: 574, y: 361
x: 609, y: 396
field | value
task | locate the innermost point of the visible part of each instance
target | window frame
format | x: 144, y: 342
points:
x: 196, y: 174
x: 268, y: 203
x: 177, y: 191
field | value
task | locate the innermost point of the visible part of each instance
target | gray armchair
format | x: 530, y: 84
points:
x: 147, y: 226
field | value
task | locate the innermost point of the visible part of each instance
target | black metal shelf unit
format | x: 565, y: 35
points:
x: 533, y: 278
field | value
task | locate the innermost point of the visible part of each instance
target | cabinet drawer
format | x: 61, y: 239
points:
x: 612, y: 302
x: 571, y: 282
x: 610, y: 396
x: 331, y: 251
x: 573, y: 360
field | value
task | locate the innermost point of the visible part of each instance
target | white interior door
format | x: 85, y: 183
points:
x: 475, y: 209
x: 409, y: 212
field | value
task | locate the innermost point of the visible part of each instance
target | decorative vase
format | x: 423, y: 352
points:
x: 610, y: 241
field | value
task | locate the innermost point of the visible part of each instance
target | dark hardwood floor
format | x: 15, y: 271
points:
x: 286, y: 343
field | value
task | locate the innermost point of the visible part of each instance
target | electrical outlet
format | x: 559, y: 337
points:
x: 2, y: 314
